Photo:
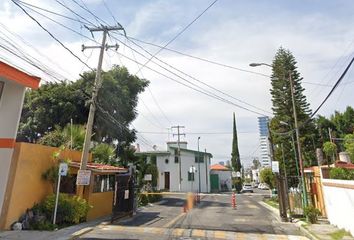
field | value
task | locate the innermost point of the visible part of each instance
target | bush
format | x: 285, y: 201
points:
x: 341, y: 173
x: 71, y: 210
x: 311, y: 213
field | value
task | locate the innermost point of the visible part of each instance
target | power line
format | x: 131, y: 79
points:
x: 333, y: 88
x: 198, y: 58
x: 178, y: 34
x: 153, y: 97
x: 66, y: 7
x: 207, y: 93
x: 28, y: 5
x: 55, y: 38
x: 188, y: 75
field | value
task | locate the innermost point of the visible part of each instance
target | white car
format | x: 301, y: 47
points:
x: 247, y: 187
x: 263, y: 186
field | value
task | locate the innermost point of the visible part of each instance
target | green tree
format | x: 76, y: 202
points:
x: 267, y: 176
x: 235, y: 155
x: 284, y: 67
x: 255, y: 164
x: 54, y: 104
x: 349, y: 145
x: 330, y: 149
x: 104, y: 153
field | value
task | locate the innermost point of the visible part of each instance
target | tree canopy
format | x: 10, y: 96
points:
x: 283, y: 68
x: 53, y: 105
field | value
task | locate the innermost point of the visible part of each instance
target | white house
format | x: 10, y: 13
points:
x: 13, y: 83
x: 169, y: 169
x: 220, y: 177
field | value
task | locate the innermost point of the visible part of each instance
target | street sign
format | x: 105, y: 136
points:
x: 63, y: 169
x: 148, y: 177
x: 275, y: 166
x: 126, y: 194
x: 238, y: 174
x: 233, y: 174
x: 83, y: 177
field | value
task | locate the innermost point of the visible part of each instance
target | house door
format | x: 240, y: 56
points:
x: 214, y: 182
x: 167, y: 180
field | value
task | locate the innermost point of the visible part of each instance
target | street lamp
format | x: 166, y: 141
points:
x: 296, y: 131
x: 199, y: 165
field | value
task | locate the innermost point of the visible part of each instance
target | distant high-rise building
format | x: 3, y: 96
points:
x: 264, y: 141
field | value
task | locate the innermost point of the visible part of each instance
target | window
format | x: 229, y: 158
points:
x: 201, y: 159
x: 1, y: 88
x: 166, y: 160
x: 153, y: 159
x: 190, y: 176
x: 103, y: 183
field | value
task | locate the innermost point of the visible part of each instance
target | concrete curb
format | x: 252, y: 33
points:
x: 305, y: 231
x: 299, y: 224
x: 274, y: 211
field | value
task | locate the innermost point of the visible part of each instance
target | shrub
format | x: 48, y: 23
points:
x: 311, y: 213
x: 71, y: 210
x: 341, y: 173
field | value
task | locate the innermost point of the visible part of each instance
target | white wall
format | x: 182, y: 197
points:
x: 224, y: 177
x: 10, y: 111
x: 339, y: 201
x: 187, y: 160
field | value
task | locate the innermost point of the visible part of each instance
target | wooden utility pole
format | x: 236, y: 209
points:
x: 97, y: 86
x: 179, y: 154
x: 304, y: 192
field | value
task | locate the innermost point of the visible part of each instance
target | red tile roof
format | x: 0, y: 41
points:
x: 100, y: 167
x: 219, y: 167
x: 344, y: 165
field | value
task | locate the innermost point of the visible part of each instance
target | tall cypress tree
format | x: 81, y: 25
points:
x: 284, y: 67
x: 235, y: 155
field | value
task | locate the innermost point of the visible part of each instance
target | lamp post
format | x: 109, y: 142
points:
x: 199, y: 166
x: 304, y: 192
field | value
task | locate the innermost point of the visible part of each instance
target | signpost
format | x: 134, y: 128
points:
x: 63, y: 171
x: 275, y: 166
x: 192, y: 170
x: 148, y: 177
x: 83, y: 177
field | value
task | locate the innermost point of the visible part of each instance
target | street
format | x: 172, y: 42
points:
x: 213, y: 218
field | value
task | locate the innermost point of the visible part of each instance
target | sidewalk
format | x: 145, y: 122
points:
x: 320, y: 231
x: 71, y: 232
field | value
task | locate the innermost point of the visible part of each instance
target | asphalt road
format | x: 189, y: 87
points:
x: 212, y: 218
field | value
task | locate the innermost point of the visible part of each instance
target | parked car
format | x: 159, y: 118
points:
x: 247, y: 187
x: 263, y: 186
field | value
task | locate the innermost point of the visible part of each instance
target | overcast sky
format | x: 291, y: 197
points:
x: 236, y: 33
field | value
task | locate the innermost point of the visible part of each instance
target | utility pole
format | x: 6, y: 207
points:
x: 199, y: 167
x: 304, y: 193
x: 179, y: 154
x: 97, y: 86
x: 206, y: 170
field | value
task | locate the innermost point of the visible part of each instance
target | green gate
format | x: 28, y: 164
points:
x: 214, y: 182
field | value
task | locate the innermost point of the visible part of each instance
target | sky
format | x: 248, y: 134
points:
x: 231, y: 32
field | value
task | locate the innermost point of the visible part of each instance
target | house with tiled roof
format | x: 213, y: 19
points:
x: 220, y: 178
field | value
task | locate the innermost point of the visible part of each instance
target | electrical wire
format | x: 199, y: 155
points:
x: 178, y: 34
x: 197, y: 58
x: 200, y: 81
x: 50, y: 34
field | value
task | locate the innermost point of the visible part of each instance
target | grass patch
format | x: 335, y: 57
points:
x: 271, y: 203
x: 338, y: 235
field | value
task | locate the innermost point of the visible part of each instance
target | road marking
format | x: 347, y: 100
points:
x: 240, y: 236
x: 173, y: 221
x: 198, y: 233
x: 219, y: 234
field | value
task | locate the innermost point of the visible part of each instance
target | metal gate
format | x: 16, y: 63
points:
x: 123, y: 199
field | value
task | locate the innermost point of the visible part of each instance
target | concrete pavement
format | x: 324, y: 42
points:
x: 213, y: 218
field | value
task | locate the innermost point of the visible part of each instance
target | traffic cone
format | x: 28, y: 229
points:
x: 233, y: 200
